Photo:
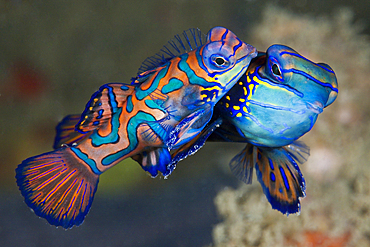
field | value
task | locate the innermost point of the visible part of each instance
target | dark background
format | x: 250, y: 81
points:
x: 55, y: 54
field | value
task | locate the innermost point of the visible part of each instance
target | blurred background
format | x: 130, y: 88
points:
x: 55, y: 54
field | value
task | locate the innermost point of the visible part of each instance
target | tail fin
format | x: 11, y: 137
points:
x: 58, y: 186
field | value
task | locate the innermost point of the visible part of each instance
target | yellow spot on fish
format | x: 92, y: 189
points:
x: 227, y: 105
x: 227, y: 97
x: 242, y: 100
x: 245, y: 91
x: 251, y: 87
x: 245, y: 109
x: 91, y: 108
x: 236, y: 107
x: 248, y: 79
x: 240, y: 83
x: 238, y: 115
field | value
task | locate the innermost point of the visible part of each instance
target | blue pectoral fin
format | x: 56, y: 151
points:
x: 154, y: 160
x: 193, y: 145
x: 227, y: 133
x: 189, y: 127
x: 58, y: 186
x: 241, y: 165
x: 280, y: 177
x: 66, y: 132
x: 298, y: 151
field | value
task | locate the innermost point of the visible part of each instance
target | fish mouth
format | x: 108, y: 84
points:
x: 316, y: 107
x: 251, y: 52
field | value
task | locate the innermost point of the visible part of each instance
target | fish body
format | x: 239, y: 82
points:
x: 276, y: 102
x: 164, y: 107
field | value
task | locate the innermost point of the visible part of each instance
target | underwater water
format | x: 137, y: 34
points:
x: 55, y: 55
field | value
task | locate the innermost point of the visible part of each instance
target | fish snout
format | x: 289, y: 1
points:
x: 246, y: 53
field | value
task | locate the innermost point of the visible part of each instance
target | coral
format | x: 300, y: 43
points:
x: 336, y: 210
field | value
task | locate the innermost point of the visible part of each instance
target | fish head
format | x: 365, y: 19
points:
x: 225, y: 58
x: 279, y: 98
x: 316, y: 82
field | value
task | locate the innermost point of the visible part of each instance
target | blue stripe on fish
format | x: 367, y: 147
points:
x: 132, y: 126
x: 302, y: 57
x: 113, y: 137
x: 129, y: 106
x: 313, y: 79
x: 286, y: 183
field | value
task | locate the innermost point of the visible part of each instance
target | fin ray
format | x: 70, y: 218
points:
x: 180, y: 44
x: 66, y: 131
x: 57, y: 186
x: 189, y: 127
x: 102, y: 105
x: 193, y: 145
x: 241, y: 165
x: 277, y: 171
x: 280, y: 178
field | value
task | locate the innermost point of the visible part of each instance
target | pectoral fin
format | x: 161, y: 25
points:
x: 277, y: 171
x: 154, y: 160
x: 194, y: 145
x: 280, y: 177
x: 189, y: 127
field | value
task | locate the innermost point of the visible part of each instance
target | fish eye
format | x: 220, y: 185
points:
x: 276, y: 70
x: 219, y: 61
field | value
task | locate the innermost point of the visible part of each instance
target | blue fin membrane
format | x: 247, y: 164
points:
x: 154, y: 160
x: 57, y: 186
x: 277, y: 171
x: 228, y: 133
x: 194, y: 145
x: 189, y: 127
x: 66, y: 132
x: 180, y: 44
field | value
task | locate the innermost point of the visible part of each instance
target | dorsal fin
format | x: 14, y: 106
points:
x: 180, y: 44
x: 102, y: 105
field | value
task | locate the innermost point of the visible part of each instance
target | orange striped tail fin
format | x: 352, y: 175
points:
x: 58, y: 186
